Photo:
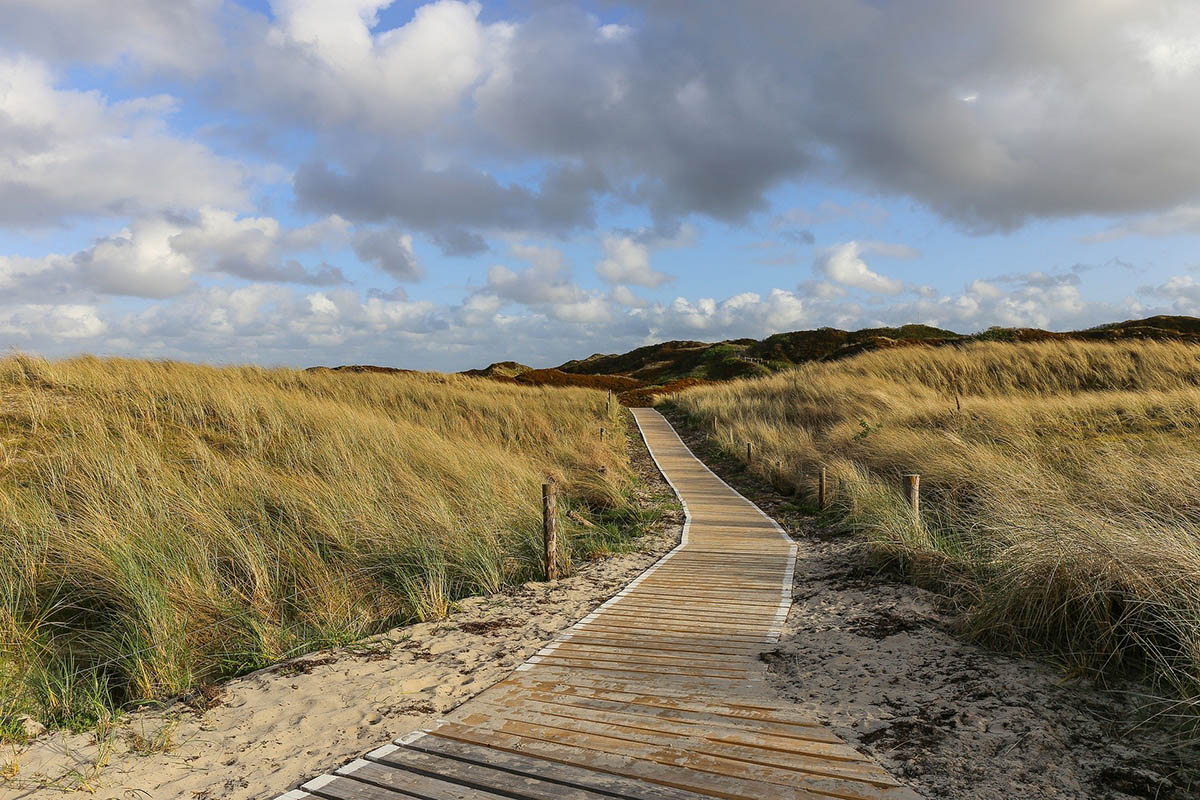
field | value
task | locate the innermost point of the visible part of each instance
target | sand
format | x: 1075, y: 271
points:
x: 264, y: 733
x: 879, y: 662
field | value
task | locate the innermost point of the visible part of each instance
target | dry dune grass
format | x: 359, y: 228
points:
x: 163, y: 525
x: 1060, y: 485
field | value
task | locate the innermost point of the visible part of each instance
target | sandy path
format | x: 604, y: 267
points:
x: 879, y: 661
x: 271, y: 729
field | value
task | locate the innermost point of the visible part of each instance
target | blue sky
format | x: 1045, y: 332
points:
x: 441, y: 185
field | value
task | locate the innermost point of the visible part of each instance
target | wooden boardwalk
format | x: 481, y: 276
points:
x: 658, y: 694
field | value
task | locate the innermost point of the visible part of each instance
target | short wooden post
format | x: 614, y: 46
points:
x: 550, y: 529
x: 822, y: 496
x: 749, y: 452
x: 912, y: 488
x: 610, y: 401
x: 602, y: 434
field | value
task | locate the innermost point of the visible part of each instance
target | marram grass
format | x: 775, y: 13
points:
x: 1060, y: 485
x: 164, y: 525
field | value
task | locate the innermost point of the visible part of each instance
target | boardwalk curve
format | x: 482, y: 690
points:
x: 659, y: 694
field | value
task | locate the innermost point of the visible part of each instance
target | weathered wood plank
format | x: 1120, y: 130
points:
x: 678, y: 700
x: 638, y: 736
x: 669, y: 775
x: 562, y: 773
x: 484, y: 777
x: 712, y: 726
x: 367, y: 779
x: 640, y: 663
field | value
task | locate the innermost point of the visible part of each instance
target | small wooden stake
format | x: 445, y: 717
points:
x: 912, y: 486
x: 602, y: 434
x: 822, y: 497
x: 550, y: 529
x: 749, y: 453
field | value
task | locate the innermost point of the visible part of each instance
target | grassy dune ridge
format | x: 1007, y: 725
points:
x: 1061, y: 502
x: 163, y: 525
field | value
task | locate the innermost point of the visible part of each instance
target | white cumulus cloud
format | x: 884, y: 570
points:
x: 627, y: 261
x: 843, y: 263
x: 70, y: 153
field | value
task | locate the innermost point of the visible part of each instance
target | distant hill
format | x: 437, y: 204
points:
x: 639, y: 374
x: 501, y: 369
x: 660, y: 363
x: 361, y: 368
x: 664, y: 367
x: 557, y: 377
x: 824, y: 344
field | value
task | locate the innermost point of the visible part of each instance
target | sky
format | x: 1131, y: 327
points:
x: 446, y: 184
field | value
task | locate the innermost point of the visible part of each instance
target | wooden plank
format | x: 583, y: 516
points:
x: 684, y: 643
x: 688, y: 660
x: 640, y: 663
x: 656, y: 644
x: 683, y: 754
x: 642, y: 736
x: 485, y: 776
x: 583, y: 649
x: 630, y: 676
x: 712, y: 725
x: 562, y: 773
x: 721, y: 572
x: 652, y: 679
x: 672, y: 694
x: 645, y: 591
x: 635, y: 602
x: 368, y: 780
x: 669, y: 775
x: 754, y: 581
x: 727, y: 619
x: 619, y: 660
x: 745, y: 627
x: 339, y: 788
x: 634, y: 605
x: 676, y: 700
x: 645, y: 628
x: 733, y: 587
x: 644, y: 719
x: 620, y: 624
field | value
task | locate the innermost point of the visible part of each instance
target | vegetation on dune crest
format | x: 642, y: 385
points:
x: 1060, y: 485
x: 163, y: 525
x: 666, y: 367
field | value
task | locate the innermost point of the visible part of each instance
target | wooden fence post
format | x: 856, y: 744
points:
x: 749, y: 453
x: 912, y: 488
x: 822, y: 496
x: 550, y: 529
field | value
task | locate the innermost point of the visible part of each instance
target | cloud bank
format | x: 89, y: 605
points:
x: 212, y: 179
